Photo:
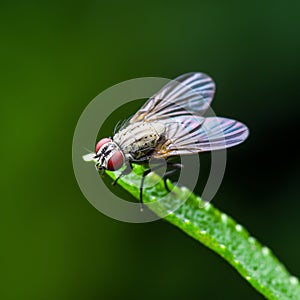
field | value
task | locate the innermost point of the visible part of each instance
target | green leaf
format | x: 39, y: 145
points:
x: 219, y: 232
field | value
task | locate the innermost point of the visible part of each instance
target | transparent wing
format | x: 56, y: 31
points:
x: 190, y: 93
x: 192, y: 134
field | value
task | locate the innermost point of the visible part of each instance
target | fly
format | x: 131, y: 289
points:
x: 169, y: 124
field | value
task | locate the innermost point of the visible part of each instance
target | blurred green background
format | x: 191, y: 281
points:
x: 58, y: 55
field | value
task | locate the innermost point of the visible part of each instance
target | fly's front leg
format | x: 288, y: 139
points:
x: 126, y: 171
x: 174, y: 167
x: 143, y: 179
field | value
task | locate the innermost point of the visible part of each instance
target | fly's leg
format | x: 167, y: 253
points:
x: 102, y: 171
x: 141, y: 187
x: 143, y: 179
x: 127, y: 170
x: 174, y: 168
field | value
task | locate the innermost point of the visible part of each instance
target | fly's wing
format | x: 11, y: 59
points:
x: 193, y: 134
x: 190, y: 93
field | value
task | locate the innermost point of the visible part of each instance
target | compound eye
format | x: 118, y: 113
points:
x: 116, y: 161
x: 101, y: 143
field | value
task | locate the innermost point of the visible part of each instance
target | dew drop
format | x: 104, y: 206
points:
x: 265, y: 251
x: 207, y: 206
x: 294, y: 280
x: 238, y: 227
x: 224, y: 218
x: 251, y: 240
x: 184, y: 189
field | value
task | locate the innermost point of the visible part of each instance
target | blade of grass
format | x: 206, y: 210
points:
x: 219, y: 232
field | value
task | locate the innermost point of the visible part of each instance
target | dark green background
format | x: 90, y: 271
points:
x: 58, y: 55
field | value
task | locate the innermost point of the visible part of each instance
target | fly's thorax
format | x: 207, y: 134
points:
x: 140, y: 137
x: 109, y: 155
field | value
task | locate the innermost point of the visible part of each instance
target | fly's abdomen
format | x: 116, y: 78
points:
x: 139, y: 139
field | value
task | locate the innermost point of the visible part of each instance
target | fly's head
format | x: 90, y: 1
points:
x: 109, y: 156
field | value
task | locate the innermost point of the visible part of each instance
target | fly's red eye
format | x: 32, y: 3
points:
x: 116, y: 161
x: 101, y: 143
